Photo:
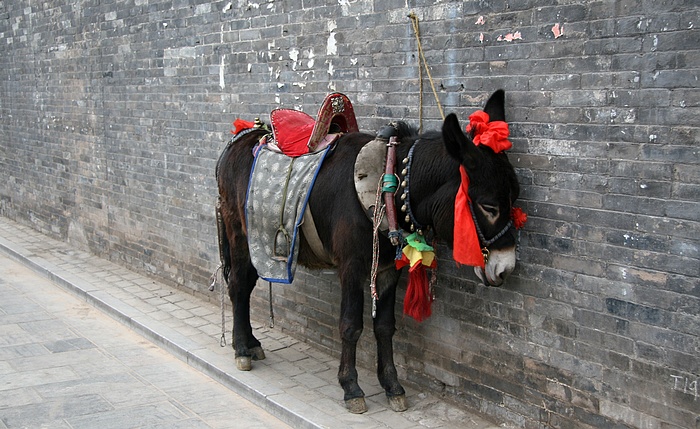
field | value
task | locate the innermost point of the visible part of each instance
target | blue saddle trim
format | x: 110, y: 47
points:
x: 287, y: 276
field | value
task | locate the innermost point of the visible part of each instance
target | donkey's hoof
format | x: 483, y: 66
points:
x: 244, y: 363
x: 258, y: 353
x: 356, y: 405
x: 398, y: 403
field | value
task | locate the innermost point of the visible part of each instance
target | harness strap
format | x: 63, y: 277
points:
x: 281, y: 230
x: 308, y: 228
x: 389, y: 187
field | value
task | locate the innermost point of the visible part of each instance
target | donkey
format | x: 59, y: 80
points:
x: 346, y: 232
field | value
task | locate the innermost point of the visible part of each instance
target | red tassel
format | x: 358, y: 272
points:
x: 240, y: 125
x: 418, y: 300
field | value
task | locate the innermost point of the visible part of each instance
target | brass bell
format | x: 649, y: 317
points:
x: 403, y: 183
x: 408, y: 219
x: 404, y: 208
x: 404, y: 171
x: 405, y: 161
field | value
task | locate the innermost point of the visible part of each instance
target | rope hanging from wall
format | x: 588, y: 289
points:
x: 421, y: 60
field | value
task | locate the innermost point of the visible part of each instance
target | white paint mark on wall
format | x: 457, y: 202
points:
x: 344, y: 7
x: 222, y: 67
x: 687, y: 385
x: 331, y: 46
x: 294, y: 56
x: 310, y: 55
x: 228, y: 7
x: 331, y: 69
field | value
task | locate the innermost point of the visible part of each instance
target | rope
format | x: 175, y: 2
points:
x: 376, y: 223
x: 416, y: 30
x: 222, y: 300
x: 213, y: 281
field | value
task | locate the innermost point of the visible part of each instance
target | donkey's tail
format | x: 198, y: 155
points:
x: 224, y: 245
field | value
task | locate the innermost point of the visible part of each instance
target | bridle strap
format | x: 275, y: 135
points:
x: 482, y: 239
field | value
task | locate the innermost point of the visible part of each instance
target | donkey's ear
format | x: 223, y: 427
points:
x: 495, y: 107
x: 458, y: 145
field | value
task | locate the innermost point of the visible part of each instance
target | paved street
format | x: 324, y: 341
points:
x: 89, y: 343
x: 64, y: 364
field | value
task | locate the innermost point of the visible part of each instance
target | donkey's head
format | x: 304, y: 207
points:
x: 492, y: 188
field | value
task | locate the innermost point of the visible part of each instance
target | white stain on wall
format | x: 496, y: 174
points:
x: 310, y: 55
x: 222, y: 68
x: 294, y: 56
x: 331, y: 46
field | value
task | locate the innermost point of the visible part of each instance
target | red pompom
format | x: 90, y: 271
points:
x: 519, y: 217
x: 240, y: 125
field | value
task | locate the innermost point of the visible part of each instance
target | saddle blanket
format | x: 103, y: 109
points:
x: 278, y: 193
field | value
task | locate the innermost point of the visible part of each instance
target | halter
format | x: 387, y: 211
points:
x: 482, y: 240
x: 492, y: 240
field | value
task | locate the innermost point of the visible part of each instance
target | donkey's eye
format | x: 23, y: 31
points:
x: 489, y: 209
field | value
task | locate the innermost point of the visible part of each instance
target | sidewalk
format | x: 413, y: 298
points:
x: 65, y: 364
x: 295, y: 383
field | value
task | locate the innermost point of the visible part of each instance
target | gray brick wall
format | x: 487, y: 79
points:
x: 113, y: 113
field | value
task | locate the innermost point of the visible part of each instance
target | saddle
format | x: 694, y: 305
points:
x: 296, y: 133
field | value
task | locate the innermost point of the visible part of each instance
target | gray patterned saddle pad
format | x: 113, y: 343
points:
x: 278, y: 193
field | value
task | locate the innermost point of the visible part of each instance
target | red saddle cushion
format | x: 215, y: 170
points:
x: 292, y: 130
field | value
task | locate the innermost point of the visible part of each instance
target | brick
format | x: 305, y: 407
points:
x: 116, y: 126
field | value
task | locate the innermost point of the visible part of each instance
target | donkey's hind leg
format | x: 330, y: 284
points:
x: 241, y: 284
x: 384, y: 329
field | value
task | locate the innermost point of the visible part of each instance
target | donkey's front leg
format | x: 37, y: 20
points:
x: 384, y: 329
x: 351, y: 308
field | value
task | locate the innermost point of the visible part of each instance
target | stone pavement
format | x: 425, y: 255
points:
x: 296, y: 383
x: 64, y: 364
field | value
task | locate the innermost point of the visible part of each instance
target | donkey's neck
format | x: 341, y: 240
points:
x: 433, y: 184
